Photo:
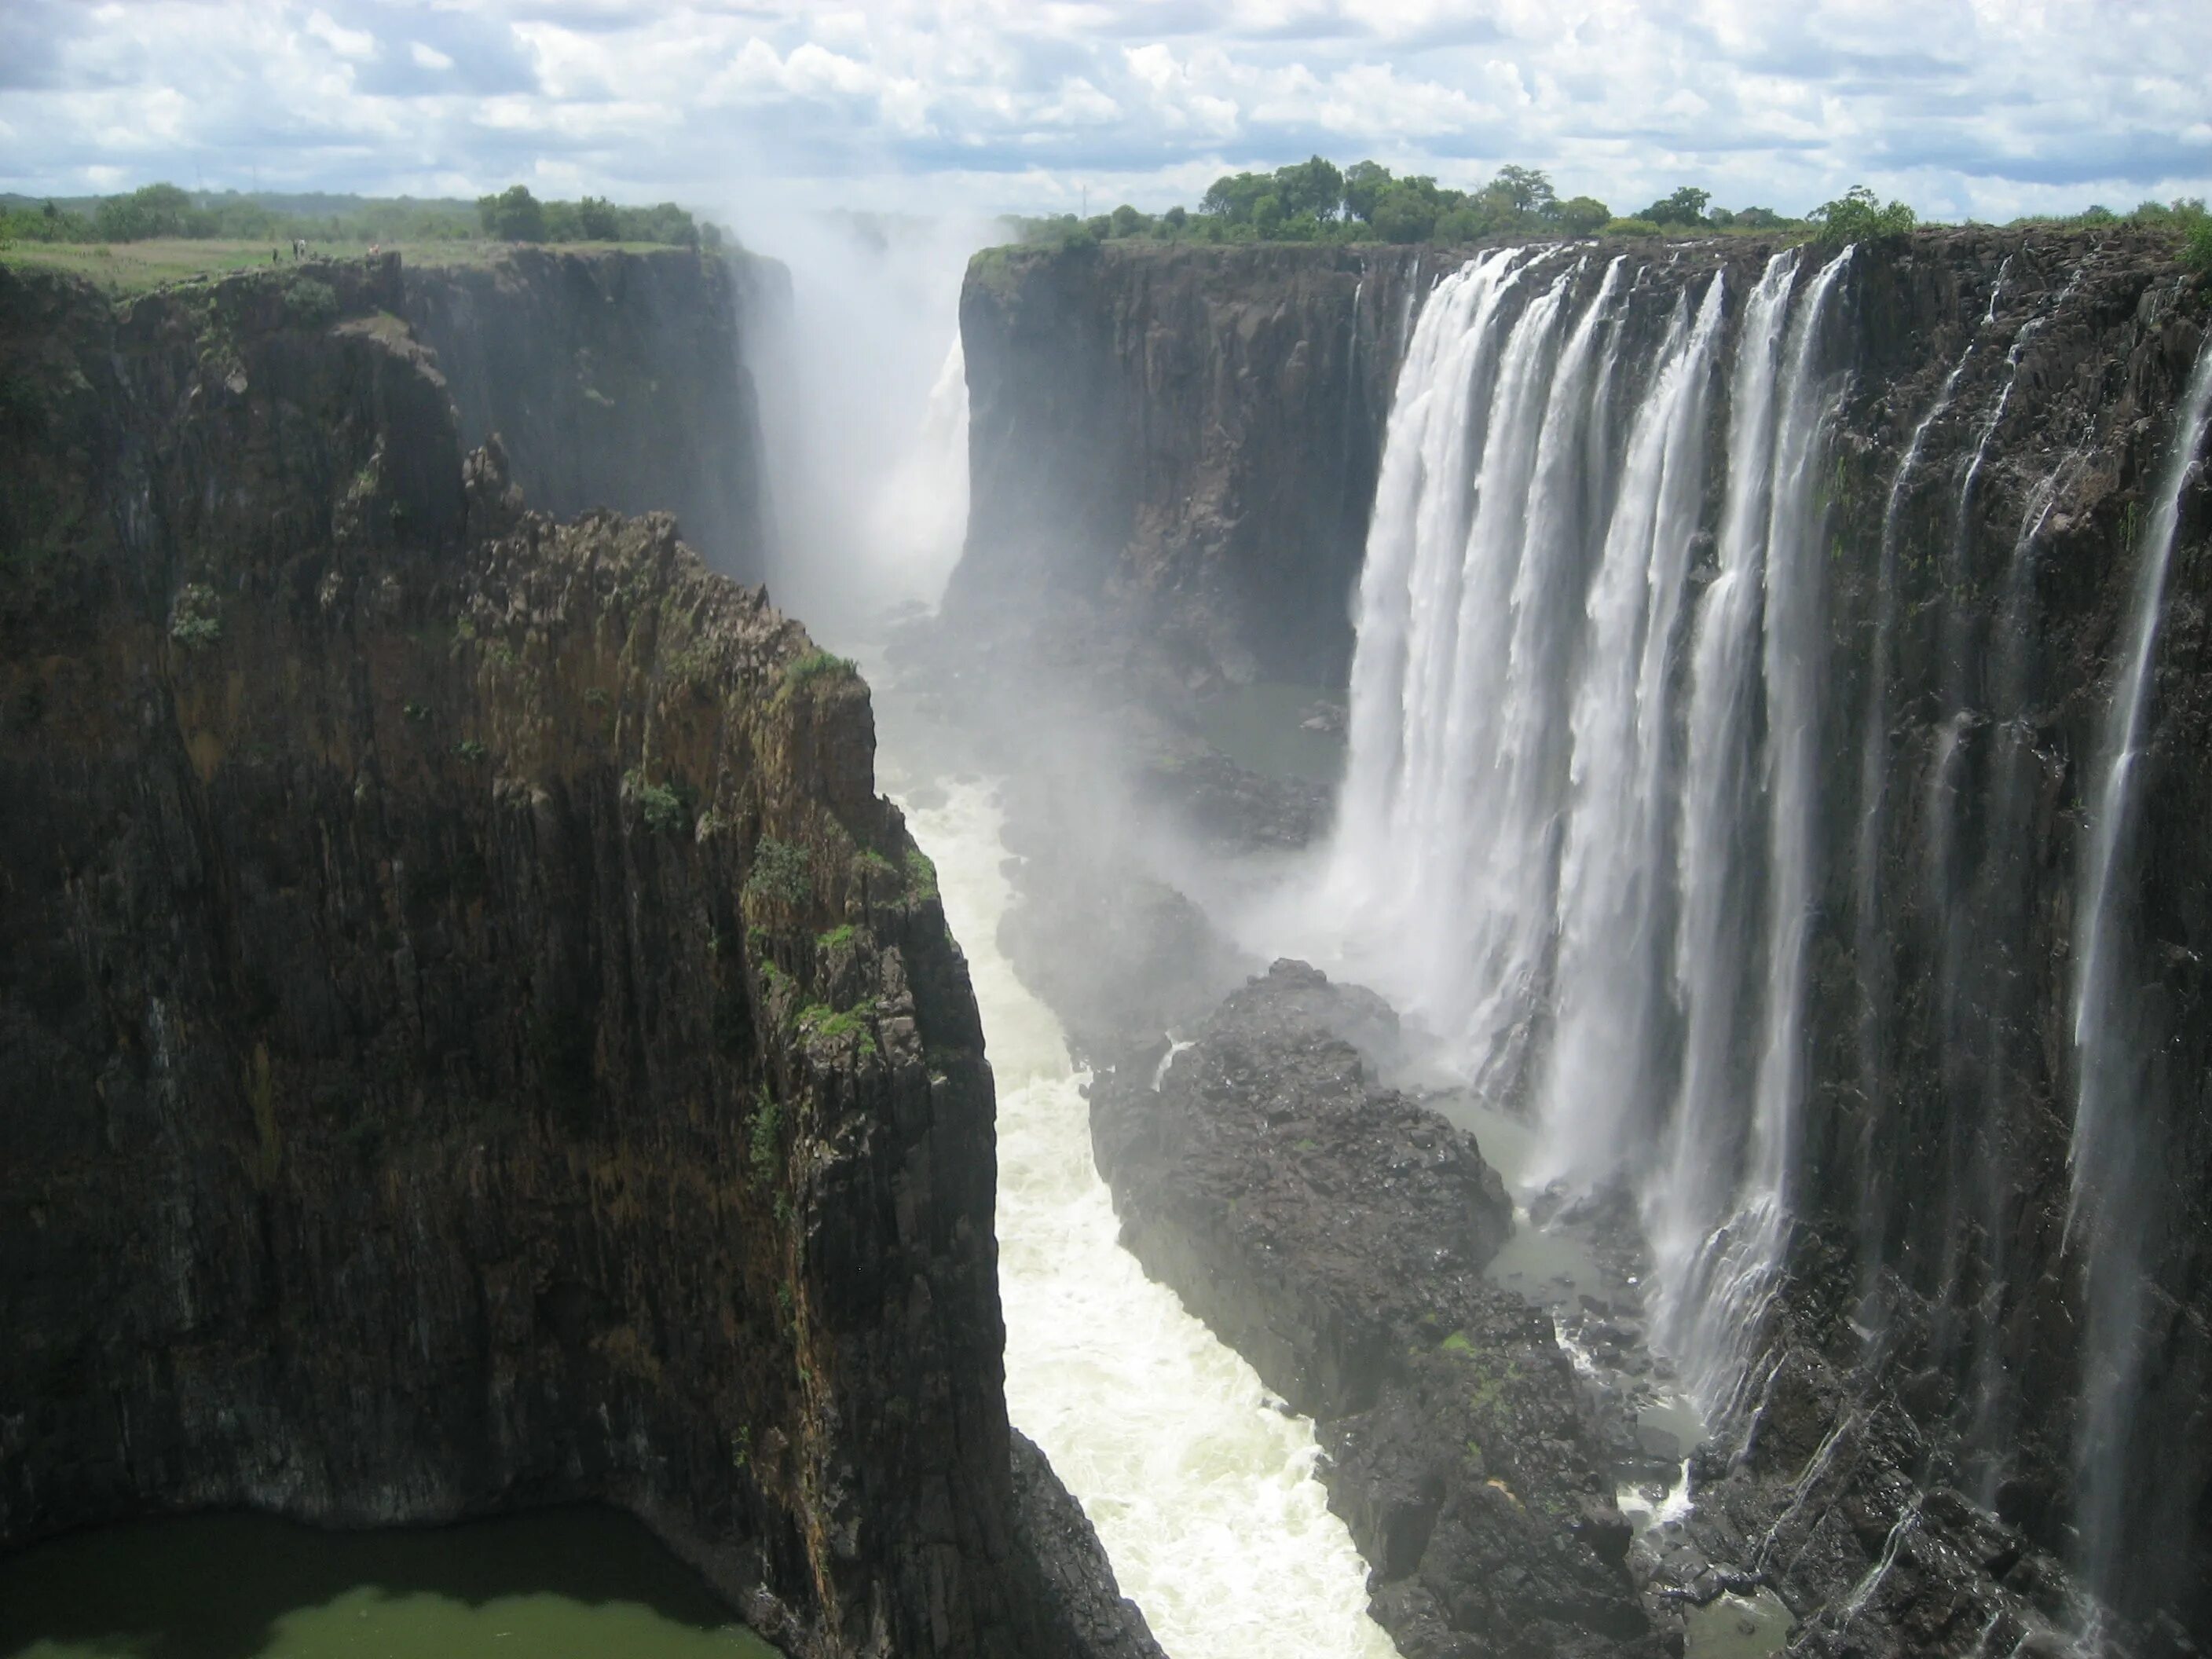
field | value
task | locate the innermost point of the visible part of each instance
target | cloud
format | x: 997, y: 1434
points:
x: 1960, y: 106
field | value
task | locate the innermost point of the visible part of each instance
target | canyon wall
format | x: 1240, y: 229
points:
x: 471, y: 1035
x: 618, y: 379
x: 1182, y: 441
x: 1978, y: 1301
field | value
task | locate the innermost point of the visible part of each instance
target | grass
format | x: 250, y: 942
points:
x: 125, y: 269
x: 819, y: 1019
x: 803, y: 671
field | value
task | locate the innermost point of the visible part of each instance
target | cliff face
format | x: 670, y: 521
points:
x: 470, y: 1036
x: 1956, y: 1317
x: 1182, y: 440
x: 617, y: 380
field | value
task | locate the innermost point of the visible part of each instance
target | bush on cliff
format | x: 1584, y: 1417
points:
x: 1857, y: 216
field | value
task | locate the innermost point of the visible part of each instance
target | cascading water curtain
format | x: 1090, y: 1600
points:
x: 1575, y: 837
x: 2113, y: 1195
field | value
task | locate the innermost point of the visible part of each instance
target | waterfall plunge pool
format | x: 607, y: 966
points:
x: 576, y: 1583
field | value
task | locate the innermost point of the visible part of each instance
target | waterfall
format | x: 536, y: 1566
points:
x: 2111, y: 1202
x: 1574, y: 844
x: 920, y: 518
x: 1713, y: 1290
x: 1608, y: 972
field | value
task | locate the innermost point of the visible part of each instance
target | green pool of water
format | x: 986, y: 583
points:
x: 1261, y: 727
x: 570, y: 1584
x: 1738, y: 1627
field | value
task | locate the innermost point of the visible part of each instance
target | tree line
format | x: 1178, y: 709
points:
x: 164, y: 211
x: 1316, y: 201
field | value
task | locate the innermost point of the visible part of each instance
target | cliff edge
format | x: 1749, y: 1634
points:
x: 471, y: 1035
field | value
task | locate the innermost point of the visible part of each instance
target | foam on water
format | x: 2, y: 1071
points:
x: 1202, y: 1491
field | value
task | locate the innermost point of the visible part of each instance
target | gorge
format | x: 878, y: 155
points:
x: 479, y: 998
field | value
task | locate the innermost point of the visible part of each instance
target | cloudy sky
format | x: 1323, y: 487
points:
x: 1987, y: 108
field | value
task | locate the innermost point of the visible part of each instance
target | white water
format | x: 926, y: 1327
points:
x: 2095, y: 986
x: 920, y: 517
x: 1537, y: 818
x: 1202, y: 1492
x: 2105, y: 1159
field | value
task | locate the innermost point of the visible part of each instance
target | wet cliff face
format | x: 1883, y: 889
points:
x: 1181, y: 441
x: 471, y: 1035
x: 617, y: 380
x: 1979, y: 603
x: 1969, y: 1311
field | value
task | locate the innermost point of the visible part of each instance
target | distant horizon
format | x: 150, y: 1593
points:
x: 986, y: 108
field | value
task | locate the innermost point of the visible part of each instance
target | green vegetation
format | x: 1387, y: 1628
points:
x: 470, y: 751
x: 515, y: 216
x: 837, y: 936
x: 921, y: 874
x: 819, y: 1019
x: 665, y: 811
x: 1315, y: 201
x: 762, y: 1142
x: 1858, y: 216
x: 311, y: 302
x: 803, y: 671
x: 165, y: 211
x: 194, y: 623
x: 782, y: 873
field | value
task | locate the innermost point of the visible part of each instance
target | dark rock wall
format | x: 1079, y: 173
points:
x: 1183, y: 440
x: 616, y: 379
x: 471, y: 1035
x: 1186, y: 410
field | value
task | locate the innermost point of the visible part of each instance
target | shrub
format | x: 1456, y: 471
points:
x: 782, y: 873
x: 760, y: 1137
x: 2196, y: 246
x: 664, y: 809
x: 803, y: 671
x: 921, y: 874
x: 1583, y: 215
x: 1858, y: 216
x: 310, y: 301
x: 194, y: 623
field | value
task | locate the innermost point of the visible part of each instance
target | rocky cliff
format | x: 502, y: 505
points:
x: 1978, y: 1342
x: 1182, y: 441
x: 471, y: 1035
x: 618, y: 379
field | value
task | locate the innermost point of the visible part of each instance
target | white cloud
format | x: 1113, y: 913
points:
x: 1981, y: 106
x: 357, y: 45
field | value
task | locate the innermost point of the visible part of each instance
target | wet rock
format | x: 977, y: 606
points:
x: 471, y: 1035
x: 1334, y: 1233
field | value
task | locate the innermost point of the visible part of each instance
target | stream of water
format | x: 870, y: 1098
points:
x: 1201, y: 1487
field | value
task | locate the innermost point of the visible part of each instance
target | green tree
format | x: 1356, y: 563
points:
x: 596, y: 221
x: 153, y: 210
x: 1857, y: 216
x: 1364, y: 185
x: 1234, y: 197
x: 514, y: 215
x: 1686, y: 206
x: 1312, y: 187
x: 1527, y: 190
x: 1583, y: 215
x: 1128, y: 221
x: 1406, y: 210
